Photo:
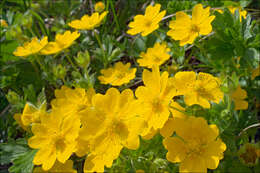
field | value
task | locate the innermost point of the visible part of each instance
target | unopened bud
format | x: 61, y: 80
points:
x: 83, y: 59
x: 59, y: 71
x: 99, y: 6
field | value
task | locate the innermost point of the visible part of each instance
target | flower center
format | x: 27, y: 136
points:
x: 200, y: 89
x: 157, y: 59
x: 203, y: 92
x: 59, y: 142
x: 120, y: 75
x: 250, y: 155
x: 196, y: 147
x: 81, y: 107
x: 119, y: 128
x: 195, y: 28
x: 157, y: 105
x: 148, y: 23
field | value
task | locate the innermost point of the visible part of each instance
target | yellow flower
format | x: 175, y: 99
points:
x: 150, y: 134
x: 118, y: 75
x: 3, y: 23
x: 58, y: 167
x: 198, y: 89
x: 154, y: 56
x: 242, y: 13
x: 249, y: 154
x: 32, y: 47
x: 62, y: 41
x: 139, y: 171
x: 255, y: 73
x: 96, y: 163
x: 196, y: 146
x: 147, y: 23
x: 155, y: 98
x: 99, y: 6
x: 186, y: 29
x: 238, y: 97
x: 88, y: 22
x: 55, y: 138
x: 31, y: 114
x: 110, y: 124
x: 71, y: 101
x: 18, y: 119
x: 172, y: 123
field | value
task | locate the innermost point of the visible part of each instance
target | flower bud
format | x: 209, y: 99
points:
x: 3, y: 23
x: 83, y: 59
x: 59, y: 71
x: 173, y: 69
x: 13, y: 97
x: 27, y: 21
x: 115, y: 53
x: 99, y: 6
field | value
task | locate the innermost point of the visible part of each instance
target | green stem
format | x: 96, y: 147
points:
x: 71, y: 62
x: 115, y: 16
x: 31, y: 31
x: 39, y: 62
x: 158, y: 35
x: 35, y: 67
x: 103, y: 26
x: 63, y: 80
x: 102, y: 49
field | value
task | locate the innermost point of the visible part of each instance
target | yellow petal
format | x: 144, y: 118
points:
x: 176, y: 149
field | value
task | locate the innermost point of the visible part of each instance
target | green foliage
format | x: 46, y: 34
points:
x: 18, y: 153
x: 230, y: 52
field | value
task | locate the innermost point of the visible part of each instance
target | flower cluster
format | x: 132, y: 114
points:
x: 100, y: 126
x: 110, y: 124
x: 62, y: 41
x: 32, y: 47
x: 97, y: 126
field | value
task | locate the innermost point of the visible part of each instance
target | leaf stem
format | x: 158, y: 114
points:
x: 114, y: 14
x: 102, y: 49
x: 71, y: 62
x: 158, y: 35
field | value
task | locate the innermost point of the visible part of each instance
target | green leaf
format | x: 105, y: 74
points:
x: 243, y: 3
x: 10, y: 151
x: 250, y: 58
x: 7, y: 48
x: 18, y: 153
x: 23, y: 163
x: 139, y: 44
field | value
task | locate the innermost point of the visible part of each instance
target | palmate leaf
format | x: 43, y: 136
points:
x: 23, y: 163
x: 17, y: 153
x: 11, y: 151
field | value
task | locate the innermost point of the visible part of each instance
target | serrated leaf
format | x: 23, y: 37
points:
x: 11, y: 150
x: 23, y: 163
